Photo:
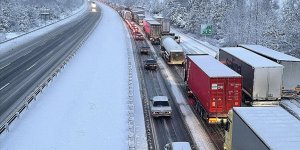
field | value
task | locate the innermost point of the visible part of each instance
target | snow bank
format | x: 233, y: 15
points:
x: 137, y: 133
x: 192, y: 44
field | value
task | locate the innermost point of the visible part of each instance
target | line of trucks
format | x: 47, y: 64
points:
x: 261, y: 82
x: 155, y: 28
x: 254, y: 74
x: 265, y: 76
x: 261, y: 77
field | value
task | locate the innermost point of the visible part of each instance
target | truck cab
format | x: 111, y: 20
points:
x: 177, y: 38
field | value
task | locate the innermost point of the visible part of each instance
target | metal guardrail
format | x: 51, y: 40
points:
x: 131, y: 122
x: 23, y: 105
x: 42, y: 27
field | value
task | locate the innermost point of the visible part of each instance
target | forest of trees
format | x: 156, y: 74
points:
x: 22, y: 15
x: 272, y: 23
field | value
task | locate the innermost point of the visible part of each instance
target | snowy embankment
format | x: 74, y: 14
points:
x: 86, y: 106
x: 20, y: 39
x: 42, y: 23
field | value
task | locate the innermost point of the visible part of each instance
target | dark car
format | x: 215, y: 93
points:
x: 150, y: 64
x: 144, y: 49
x: 138, y: 36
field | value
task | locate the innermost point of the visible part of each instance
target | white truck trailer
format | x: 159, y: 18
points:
x: 262, y: 78
x: 261, y: 128
x: 291, y: 70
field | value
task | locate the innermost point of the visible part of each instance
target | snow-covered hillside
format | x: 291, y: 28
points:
x: 272, y: 23
x: 23, y: 15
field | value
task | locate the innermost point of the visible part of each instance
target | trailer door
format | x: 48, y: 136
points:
x: 274, y: 83
x: 234, y: 93
x: 217, y: 95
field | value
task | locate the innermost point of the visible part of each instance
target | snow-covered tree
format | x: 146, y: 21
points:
x: 23, y: 15
x: 291, y: 21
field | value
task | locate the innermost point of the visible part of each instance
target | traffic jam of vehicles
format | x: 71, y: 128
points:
x: 231, y: 89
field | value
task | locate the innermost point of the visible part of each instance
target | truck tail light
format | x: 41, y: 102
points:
x: 236, y: 103
x: 213, y: 104
x: 212, y: 120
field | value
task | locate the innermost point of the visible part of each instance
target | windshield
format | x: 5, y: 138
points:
x: 151, y: 61
x: 161, y: 103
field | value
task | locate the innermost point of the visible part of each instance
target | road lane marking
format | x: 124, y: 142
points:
x: 30, y: 67
x: 49, y: 53
x: 5, y: 66
x: 4, y: 86
x: 26, y: 53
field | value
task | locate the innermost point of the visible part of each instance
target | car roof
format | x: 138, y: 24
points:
x: 150, y: 59
x: 181, y: 146
x: 160, y: 98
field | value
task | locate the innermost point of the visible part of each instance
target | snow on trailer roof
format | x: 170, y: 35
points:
x: 250, y: 58
x: 141, y: 15
x: 269, y: 52
x: 171, y: 45
x: 148, y: 19
x: 137, y: 9
x: 153, y: 22
x: 274, y: 125
x: 158, y: 17
x: 212, y: 67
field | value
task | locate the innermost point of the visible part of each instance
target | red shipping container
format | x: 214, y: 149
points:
x: 216, y: 87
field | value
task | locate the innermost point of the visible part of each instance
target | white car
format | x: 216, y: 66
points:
x: 160, y: 106
x: 93, y: 5
x: 178, y: 146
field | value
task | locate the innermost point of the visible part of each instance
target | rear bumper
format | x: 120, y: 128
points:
x: 151, y: 67
x: 265, y: 103
x: 161, y: 114
x: 144, y: 51
x: 217, y: 118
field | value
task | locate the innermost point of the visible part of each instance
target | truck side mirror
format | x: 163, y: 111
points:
x: 167, y: 146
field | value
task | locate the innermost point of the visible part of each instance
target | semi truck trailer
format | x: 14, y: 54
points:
x: 261, y: 128
x: 262, y: 78
x: 152, y: 30
x: 291, y: 70
x: 214, y: 87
